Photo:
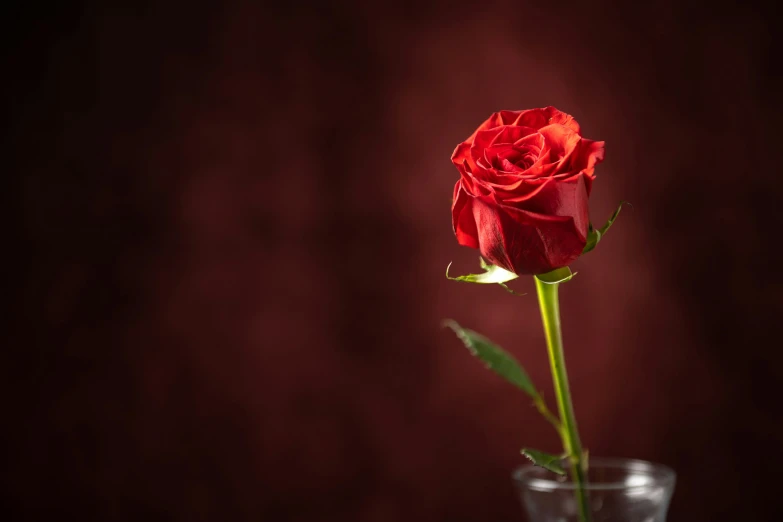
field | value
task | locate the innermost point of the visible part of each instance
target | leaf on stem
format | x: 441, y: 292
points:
x: 594, y: 236
x: 545, y: 460
x: 496, y: 359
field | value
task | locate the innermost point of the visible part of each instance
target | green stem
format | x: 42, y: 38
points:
x: 540, y: 405
x: 550, y: 316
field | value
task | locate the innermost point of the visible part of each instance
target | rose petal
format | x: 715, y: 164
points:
x: 558, y: 198
x: 483, y: 140
x: 512, y: 183
x: 559, y: 140
x: 506, y: 158
x: 524, y: 242
x: 510, y: 135
x: 521, y: 191
x: 561, y: 118
x: 534, y: 141
x: 462, y: 217
x: 461, y: 153
x: 539, y: 118
x: 472, y: 185
x: 591, y: 153
x: 461, y: 150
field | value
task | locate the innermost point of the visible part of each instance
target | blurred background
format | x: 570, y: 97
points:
x: 229, y: 226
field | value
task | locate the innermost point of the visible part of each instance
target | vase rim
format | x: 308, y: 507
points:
x: 659, y: 475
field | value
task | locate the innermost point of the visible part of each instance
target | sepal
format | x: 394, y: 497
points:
x: 558, y: 275
x: 595, y: 235
x: 492, y: 275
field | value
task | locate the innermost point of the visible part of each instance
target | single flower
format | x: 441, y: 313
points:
x: 522, y: 196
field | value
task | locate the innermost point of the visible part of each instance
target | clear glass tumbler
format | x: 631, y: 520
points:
x: 619, y: 490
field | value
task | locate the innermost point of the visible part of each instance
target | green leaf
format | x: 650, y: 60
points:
x: 496, y: 359
x: 558, y: 275
x: 492, y: 274
x: 594, y: 236
x: 545, y: 460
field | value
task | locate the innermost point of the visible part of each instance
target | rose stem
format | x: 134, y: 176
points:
x: 550, y: 316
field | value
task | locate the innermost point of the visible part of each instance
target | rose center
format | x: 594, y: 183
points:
x: 514, y: 160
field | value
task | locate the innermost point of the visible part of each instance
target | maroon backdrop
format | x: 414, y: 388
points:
x: 230, y: 227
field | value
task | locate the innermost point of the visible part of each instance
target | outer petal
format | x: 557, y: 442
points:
x: 559, y: 117
x: 539, y: 118
x: 510, y: 135
x: 461, y: 152
x: 525, y: 242
x: 521, y: 190
x: 560, y: 141
x: 568, y: 198
x: 583, y: 161
x: 591, y: 153
x: 462, y: 217
x: 496, y: 119
x: 483, y: 140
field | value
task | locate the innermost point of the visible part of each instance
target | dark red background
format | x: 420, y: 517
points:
x: 229, y: 228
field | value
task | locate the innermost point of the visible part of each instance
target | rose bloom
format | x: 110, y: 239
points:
x: 525, y: 179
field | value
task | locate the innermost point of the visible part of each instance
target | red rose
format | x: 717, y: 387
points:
x: 522, y: 195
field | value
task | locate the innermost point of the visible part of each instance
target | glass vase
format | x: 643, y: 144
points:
x: 619, y: 490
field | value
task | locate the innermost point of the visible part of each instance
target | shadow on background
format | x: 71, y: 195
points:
x: 232, y: 223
